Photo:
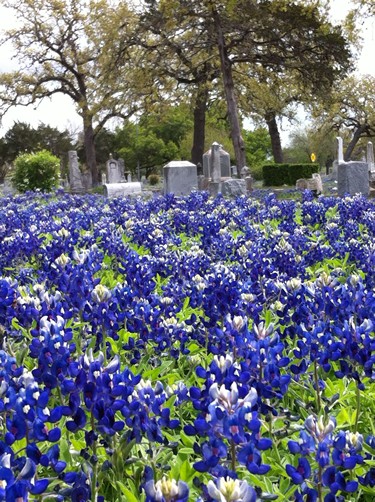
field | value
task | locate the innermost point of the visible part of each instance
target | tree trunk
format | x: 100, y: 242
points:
x: 89, y: 144
x: 230, y: 96
x: 356, y: 136
x: 200, y: 109
x: 273, y: 131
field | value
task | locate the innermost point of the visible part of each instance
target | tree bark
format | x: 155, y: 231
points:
x: 356, y: 136
x: 230, y: 96
x: 273, y: 130
x: 200, y: 109
x: 89, y: 144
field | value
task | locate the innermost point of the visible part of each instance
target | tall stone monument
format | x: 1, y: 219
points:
x: 370, y: 157
x: 75, y: 175
x: 225, y: 167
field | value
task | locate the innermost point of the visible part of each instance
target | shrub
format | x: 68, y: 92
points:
x: 36, y: 171
x: 287, y: 174
x: 256, y: 172
x: 153, y: 179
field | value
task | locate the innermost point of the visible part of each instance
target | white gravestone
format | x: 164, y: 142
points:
x: 340, y: 150
x: 180, y: 177
x: 122, y: 189
x: 370, y: 157
x: 113, y: 171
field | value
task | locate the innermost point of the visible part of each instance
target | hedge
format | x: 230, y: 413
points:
x: 287, y: 174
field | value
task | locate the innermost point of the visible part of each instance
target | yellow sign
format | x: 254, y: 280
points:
x: 313, y: 157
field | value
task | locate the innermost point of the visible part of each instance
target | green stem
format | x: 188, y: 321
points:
x: 94, y: 479
x: 233, y: 455
x: 358, y: 408
x: 319, y: 487
x: 316, y: 378
x: 274, y: 439
x: 104, y: 334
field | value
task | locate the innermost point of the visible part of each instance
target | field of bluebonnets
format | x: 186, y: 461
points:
x: 185, y: 349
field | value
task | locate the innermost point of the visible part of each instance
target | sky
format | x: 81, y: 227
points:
x: 59, y: 111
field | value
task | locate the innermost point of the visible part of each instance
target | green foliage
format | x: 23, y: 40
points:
x: 22, y: 138
x: 304, y: 142
x: 258, y: 150
x: 153, y: 179
x: 36, y: 171
x: 154, y: 140
x: 287, y: 174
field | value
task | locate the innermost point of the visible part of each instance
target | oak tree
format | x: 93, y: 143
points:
x: 73, y: 47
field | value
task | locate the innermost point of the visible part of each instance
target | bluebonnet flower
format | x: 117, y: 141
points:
x: 300, y: 473
x: 346, y: 446
x: 166, y: 490
x: 231, y: 490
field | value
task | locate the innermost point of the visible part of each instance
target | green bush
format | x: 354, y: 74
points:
x: 34, y: 171
x: 287, y: 174
x: 256, y: 172
x: 153, y: 179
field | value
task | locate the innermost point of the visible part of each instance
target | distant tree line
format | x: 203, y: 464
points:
x: 146, y: 144
x: 257, y: 60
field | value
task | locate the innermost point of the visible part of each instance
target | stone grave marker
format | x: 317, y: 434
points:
x: 112, y: 190
x: 180, y: 177
x: 121, y: 167
x: 113, y: 171
x: 87, y: 180
x: 340, y: 150
x: 224, y: 162
x: 370, y: 156
x: 75, y: 176
x: 353, y: 178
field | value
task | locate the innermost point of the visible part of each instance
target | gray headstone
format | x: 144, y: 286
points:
x: 224, y: 162
x: 301, y: 184
x: 233, y: 187
x: 104, y: 178
x: 215, y: 167
x: 87, y: 180
x: 75, y: 175
x: 249, y: 183
x: 370, y: 156
x: 113, y: 171
x: 122, y: 189
x: 180, y: 177
x: 225, y: 167
x: 7, y: 187
x: 353, y: 178
x: 316, y: 182
x: 129, y: 178
x: 121, y: 168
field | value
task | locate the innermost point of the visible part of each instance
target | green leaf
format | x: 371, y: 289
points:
x: 187, y: 451
x: 113, y: 344
x: 130, y: 497
x: 186, y: 471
